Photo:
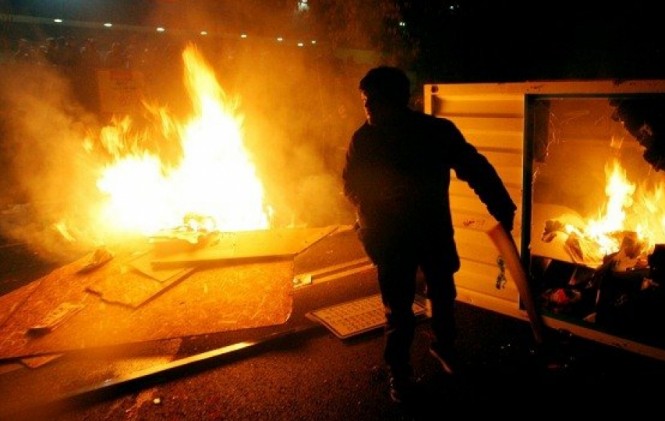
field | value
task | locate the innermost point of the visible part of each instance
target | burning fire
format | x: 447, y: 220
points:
x: 631, y: 222
x: 214, y: 185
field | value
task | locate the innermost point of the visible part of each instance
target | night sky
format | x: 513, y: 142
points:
x: 461, y: 40
x: 491, y: 40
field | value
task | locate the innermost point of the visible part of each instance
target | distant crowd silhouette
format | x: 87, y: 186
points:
x: 88, y: 52
x: 80, y: 57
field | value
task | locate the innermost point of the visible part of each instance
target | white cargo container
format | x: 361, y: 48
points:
x: 551, y: 142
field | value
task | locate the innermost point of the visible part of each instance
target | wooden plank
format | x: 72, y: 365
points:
x: 249, y: 245
x: 143, y: 264
x: 509, y: 252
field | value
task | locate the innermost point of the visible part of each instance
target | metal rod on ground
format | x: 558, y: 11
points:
x: 508, y: 249
x: 152, y: 373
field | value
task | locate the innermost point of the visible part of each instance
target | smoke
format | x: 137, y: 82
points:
x: 46, y: 173
x: 300, y: 103
x: 299, y: 120
x: 300, y: 106
x: 297, y: 124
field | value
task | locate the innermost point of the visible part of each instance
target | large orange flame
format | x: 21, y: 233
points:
x: 630, y: 209
x: 215, y: 180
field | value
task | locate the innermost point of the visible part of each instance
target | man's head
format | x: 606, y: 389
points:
x: 385, y: 92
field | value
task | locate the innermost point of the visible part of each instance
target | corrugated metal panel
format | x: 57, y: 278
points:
x: 508, y: 126
x: 460, y: 188
x: 489, y: 139
x: 480, y: 105
x: 475, y: 278
x: 492, y: 119
x: 471, y: 204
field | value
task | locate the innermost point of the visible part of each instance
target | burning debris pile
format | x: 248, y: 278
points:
x: 609, y: 276
x: 213, y: 185
x: 163, y: 289
x: 625, y: 232
x: 199, y: 170
x: 631, y: 252
x: 137, y: 176
x: 183, y: 233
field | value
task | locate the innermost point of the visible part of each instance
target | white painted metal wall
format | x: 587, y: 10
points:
x: 494, y: 123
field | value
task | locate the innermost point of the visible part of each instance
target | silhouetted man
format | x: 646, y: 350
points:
x: 397, y: 174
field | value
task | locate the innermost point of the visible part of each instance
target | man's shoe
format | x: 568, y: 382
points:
x: 447, y: 357
x: 401, y: 388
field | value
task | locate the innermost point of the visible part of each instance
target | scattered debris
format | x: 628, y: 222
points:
x: 40, y: 360
x: 55, y: 318
x: 98, y: 259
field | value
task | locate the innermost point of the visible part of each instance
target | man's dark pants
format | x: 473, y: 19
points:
x: 398, y: 258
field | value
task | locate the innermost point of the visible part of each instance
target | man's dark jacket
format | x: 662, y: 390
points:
x: 398, y: 178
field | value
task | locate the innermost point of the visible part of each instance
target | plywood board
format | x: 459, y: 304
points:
x: 133, y: 288
x: 11, y: 301
x: 213, y: 300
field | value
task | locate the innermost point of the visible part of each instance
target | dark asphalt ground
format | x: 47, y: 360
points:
x: 301, y: 371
